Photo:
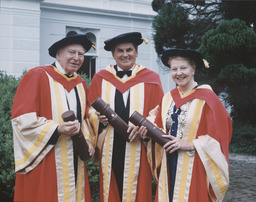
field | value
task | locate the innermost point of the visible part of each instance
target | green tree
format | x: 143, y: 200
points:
x: 189, y: 20
x: 230, y: 49
x: 171, y: 27
x: 243, y: 10
x: 181, y: 24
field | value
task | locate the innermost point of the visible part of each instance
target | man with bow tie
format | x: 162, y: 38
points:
x: 127, y: 87
x: 48, y: 167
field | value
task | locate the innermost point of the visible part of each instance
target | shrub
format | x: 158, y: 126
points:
x: 8, y: 86
x: 243, y: 139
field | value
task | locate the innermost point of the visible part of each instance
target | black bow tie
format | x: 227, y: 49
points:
x: 121, y: 74
x: 69, y: 76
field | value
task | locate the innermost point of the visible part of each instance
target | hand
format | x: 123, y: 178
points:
x: 133, y: 132
x: 102, y: 118
x: 91, y: 148
x: 69, y: 128
x: 143, y: 131
x: 177, y: 144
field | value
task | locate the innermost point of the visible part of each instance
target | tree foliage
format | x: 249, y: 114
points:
x: 174, y: 21
x: 231, y: 42
x: 181, y: 24
x: 243, y: 10
x: 230, y: 49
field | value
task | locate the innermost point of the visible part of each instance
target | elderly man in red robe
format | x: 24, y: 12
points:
x: 125, y: 173
x: 47, y: 166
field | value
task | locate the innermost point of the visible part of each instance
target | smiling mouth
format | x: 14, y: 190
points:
x: 74, y: 64
x: 181, y: 78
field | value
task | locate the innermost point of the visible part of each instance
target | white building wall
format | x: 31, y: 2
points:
x: 19, y: 35
x: 32, y: 26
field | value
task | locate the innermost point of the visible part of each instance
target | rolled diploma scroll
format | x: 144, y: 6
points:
x: 79, y: 141
x: 114, y: 120
x: 153, y: 131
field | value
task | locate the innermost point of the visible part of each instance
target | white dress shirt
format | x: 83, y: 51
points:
x: 126, y: 93
x: 71, y: 96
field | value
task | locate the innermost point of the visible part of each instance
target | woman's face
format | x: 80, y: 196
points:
x: 182, y: 72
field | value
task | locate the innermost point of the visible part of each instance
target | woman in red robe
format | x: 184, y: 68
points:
x: 193, y: 165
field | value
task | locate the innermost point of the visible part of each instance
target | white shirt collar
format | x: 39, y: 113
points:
x: 59, y: 67
x: 120, y: 69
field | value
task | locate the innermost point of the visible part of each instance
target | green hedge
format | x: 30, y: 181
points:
x: 243, y: 139
x: 8, y: 86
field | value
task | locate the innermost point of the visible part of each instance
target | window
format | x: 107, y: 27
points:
x: 88, y: 66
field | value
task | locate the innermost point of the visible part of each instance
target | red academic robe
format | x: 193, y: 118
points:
x: 45, y: 172
x: 145, y: 93
x: 203, y: 175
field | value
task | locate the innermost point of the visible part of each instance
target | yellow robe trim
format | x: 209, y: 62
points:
x: 136, y: 69
x: 38, y: 140
x: 218, y: 176
x: 80, y: 182
x: 67, y: 188
x: 133, y: 150
x: 108, y: 97
x: 161, y: 158
x: 63, y: 145
x: 185, y: 162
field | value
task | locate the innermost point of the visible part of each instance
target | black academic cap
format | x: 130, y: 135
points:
x: 130, y: 37
x: 73, y: 39
x: 194, y: 55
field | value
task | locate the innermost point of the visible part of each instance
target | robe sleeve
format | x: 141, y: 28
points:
x: 86, y: 126
x: 212, y: 147
x: 153, y: 96
x: 154, y: 150
x: 94, y: 90
x: 90, y: 127
x: 32, y: 127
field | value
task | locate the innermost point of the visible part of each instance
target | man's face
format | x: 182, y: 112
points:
x: 71, y: 57
x: 125, y: 55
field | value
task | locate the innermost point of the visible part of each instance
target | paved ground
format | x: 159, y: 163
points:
x: 242, y: 185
